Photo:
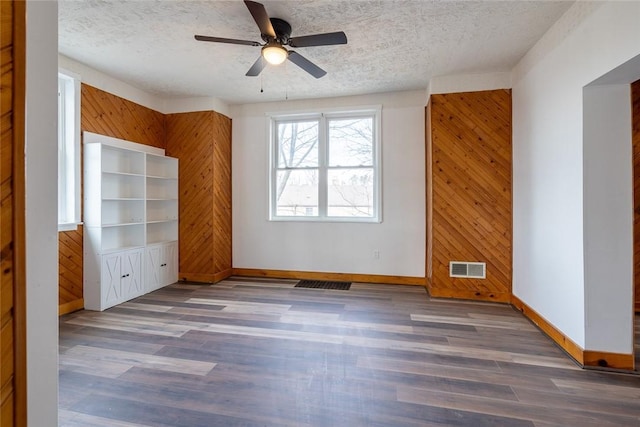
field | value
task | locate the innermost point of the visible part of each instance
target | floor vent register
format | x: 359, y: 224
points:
x: 321, y: 284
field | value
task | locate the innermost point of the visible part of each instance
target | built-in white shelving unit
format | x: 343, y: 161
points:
x: 130, y: 220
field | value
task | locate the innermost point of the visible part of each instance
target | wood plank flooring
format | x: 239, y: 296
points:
x: 257, y: 352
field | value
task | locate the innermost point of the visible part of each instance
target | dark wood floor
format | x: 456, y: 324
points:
x: 263, y: 353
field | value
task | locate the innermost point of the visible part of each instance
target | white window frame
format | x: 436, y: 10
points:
x: 323, y: 167
x: 68, y: 151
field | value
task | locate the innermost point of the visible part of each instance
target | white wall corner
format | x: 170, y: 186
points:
x: 558, y: 32
x: 104, y: 82
x: 470, y: 82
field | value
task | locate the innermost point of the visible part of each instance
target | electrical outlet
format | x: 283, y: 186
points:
x: 376, y: 254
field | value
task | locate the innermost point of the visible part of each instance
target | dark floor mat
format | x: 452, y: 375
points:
x: 321, y: 284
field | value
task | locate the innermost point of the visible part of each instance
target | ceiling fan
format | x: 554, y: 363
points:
x: 276, y: 33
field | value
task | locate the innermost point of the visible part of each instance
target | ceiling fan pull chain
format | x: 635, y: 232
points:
x: 261, y: 89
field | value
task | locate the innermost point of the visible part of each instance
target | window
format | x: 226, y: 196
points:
x: 68, y: 152
x: 326, y: 167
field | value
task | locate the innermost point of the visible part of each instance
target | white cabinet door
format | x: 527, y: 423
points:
x: 170, y: 269
x: 161, y: 265
x: 153, y: 268
x: 132, y: 284
x: 121, y: 277
x: 111, y: 280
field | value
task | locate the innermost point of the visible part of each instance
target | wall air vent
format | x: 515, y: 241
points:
x: 470, y: 270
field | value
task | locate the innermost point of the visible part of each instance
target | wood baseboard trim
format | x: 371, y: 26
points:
x: 499, y: 297
x: 343, y: 277
x: 570, y: 347
x: 205, y: 277
x: 196, y: 277
x: 71, y: 306
x: 603, y: 359
x: 222, y: 275
x: 586, y: 358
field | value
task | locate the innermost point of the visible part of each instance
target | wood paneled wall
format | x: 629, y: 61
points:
x: 469, y: 193
x: 221, y: 195
x: 202, y: 142
x: 113, y: 116
x: 12, y: 255
x: 635, y: 138
x: 106, y: 114
x: 70, y: 296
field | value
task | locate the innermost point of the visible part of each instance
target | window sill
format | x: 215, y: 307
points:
x: 326, y: 220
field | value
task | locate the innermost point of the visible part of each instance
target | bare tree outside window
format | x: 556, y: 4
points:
x: 350, y: 191
x: 297, y: 178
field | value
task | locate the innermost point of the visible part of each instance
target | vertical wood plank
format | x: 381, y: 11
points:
x: 469, y: 192
x: 429, y: 197
x: 12, y: 201
x: 221, y: 193
x: 190, y: 139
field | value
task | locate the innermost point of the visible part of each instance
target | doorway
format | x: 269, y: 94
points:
x: 609, y: 215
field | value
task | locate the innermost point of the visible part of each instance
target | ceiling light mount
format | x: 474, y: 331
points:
x: 274, y: 53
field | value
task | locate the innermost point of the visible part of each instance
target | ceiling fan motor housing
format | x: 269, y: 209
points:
x: 282, y: 30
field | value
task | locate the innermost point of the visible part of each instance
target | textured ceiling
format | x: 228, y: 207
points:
x: 392, y: 45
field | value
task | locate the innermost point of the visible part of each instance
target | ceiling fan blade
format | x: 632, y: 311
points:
x: 257, y: 67
x: 223, y: 40
x: 325, y: 39
x: 261, y: 17
x: 306, y: 65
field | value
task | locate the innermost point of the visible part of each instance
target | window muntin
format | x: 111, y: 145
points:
x: 68, y: 152
x: 326, y: 167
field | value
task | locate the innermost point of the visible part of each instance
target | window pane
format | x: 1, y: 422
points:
x: 297, y: 144
x: 350, y: 193
x: 297, y: 193
x: 351, y: 142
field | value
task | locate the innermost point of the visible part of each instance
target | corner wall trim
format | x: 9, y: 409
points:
x: 345, y: 277
x: 585, y: 358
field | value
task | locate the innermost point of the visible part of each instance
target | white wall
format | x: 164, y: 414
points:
x: 334, y: 247
x: 608, y: 218
x: 104, y: 82
x: 548, y: 228
x: 470, y: 82
x: 41, y: 212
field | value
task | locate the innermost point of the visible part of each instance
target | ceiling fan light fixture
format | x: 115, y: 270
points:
x: 274, y: 53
